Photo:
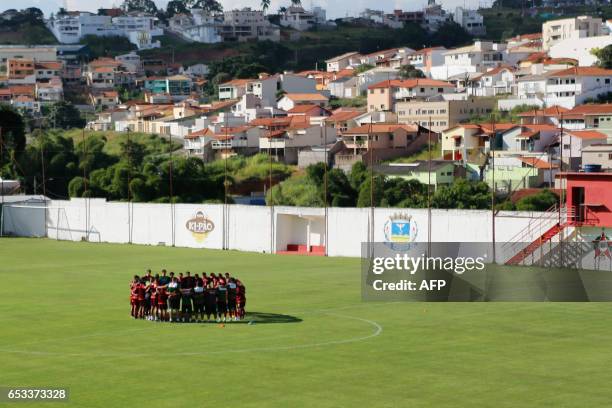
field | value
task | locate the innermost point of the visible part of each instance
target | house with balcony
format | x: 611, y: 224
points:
x: 555, y: 31
x: 232, y: 141
x: 343, y: 61
x: 497, y: 81
x: 471, y: 142
x: 384, y: 95
x: 284, y: 141
x: 46, y: 70
x: 381, y: 141
x: 343, y: 119
x: 199, y: 144
x: 178, y: 87
x: 21, y: 71
x: 297, y: 18
x: 478, y: 57
x: 519, y: 172
x: 104, y: 99
x: 574, y: 86
x: 247, y: 24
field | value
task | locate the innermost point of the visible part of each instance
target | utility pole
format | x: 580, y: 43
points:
x: 492, y: 149
x: 171, y: 192
x: 371, y: 154
x: 86, y: 200
x: 129, y: 190
x: 271, y: 195
x: 1, y: 164
x: 429, y: 190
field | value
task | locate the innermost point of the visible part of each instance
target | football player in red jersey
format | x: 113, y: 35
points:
x: 134, y: 297
x: 240, y: 299
x: 140, y: 293
x: 162, y: 305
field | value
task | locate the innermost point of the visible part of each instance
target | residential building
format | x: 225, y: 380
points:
x: 384, y: 95
x: 21, y: 71
x: 574, y: 86
x: 519, y: 172
x: 591, y: 116
x: 46, y: 70
x: 291, y: 100
x: 382, y: 141
x: 232, y: 141
x: 524, y: 139
x: 297, y: 18
x: 178, y: 87
x: 267, y: 87
x: 131, y: 62
x: 284, y: 141
x: 580, y: 49
x: 435, y: 16
x: 343, y: 119
x: 51, y: 91
x: 72, y: 27
x: 437, y: 173
x: 598, y: 154
x: 441, y: 115
x: 478, y: 57
x: 570, y: 28
x: 199, y: 144
x: 104, y: 99
x: 310, y: 111
x: 427, y: 58
x: 573, y: 142
x: 341, y: 61
x: 198, y: 26
x: 497, y: 81
x: 16, y: 52
x: 469, y: 141
x: 247, y: 24
x: 551, y: 116
x: 471, y: 20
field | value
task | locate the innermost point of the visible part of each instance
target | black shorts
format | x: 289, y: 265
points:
x: 231, y: 304
x: 198, y: 307
x: 186, y: 305
x: 211, y: 308
x: 221, y: 307
x: 175, y: 302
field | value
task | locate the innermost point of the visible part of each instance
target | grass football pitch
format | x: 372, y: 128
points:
x: 65, y: 323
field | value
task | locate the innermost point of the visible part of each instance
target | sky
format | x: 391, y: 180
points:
x: 335, y: 8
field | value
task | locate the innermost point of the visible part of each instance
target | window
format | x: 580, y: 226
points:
x: 440, y: 90
x: 607, y: 81
x: 609, y: 156
x: 566, y: 147
x: 422, y: 90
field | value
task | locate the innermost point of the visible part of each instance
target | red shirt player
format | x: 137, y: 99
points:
x: 134, y: 296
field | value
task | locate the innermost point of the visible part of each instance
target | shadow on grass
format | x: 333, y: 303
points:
x: 252, y: 318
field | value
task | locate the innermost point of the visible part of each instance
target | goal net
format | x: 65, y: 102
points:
x: 36, y: 221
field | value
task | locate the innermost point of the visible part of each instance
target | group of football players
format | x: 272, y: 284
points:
x: 187, y: 298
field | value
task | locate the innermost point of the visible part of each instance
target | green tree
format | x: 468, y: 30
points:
x: 265, y: 5
x: 366, y: 193
x: 359, y: 174
x: 604, y: 56
x: 450, y: 34
x: 13, y: 139
x: 463, y: 194
x: 176, y: 7
x: 64, y: 115
x: 409, y: 71
x: 147, y: 6
x: 211, y: 6
x: 541, y: 201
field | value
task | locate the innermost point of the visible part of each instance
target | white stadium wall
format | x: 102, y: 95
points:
x: 251, y: 228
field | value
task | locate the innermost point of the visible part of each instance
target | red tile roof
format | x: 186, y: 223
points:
x: 411, y: 83
x: 306, y: 97
x: 591, y: 109
x: 380, y: 128
x: 537, y: 163
x: 582, y: 71
x: 554, y: 111
x: 587, y: 134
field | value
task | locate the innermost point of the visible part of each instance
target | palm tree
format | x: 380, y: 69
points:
x: 265, y: 5
x: 296, y: 3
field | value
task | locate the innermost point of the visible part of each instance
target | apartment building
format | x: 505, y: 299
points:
x: 247, y: 24
x: 441, y: 115
x: 556, y: 31
x: 471, y: 20
x: 384, y: 95
x: 478, y: 57
x: 297, y: 18
x: 573, y: 86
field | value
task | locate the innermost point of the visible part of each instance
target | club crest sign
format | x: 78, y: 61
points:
x: 400, y: 231
x: 200, y: 226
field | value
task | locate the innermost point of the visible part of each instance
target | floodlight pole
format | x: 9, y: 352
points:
x: 271, y: 193
x: 325, y: 184
x: 429, y: 189
x: 492, y: 149
x: 1, y: 178
x: 86, y: 200
x: 129, y: 190
x: 171, y: 193
x: 370, y: 151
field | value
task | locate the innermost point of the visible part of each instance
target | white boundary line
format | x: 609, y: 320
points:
x: 377, y: 331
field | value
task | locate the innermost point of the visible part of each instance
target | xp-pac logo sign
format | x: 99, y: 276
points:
x: 200, y: 226
x: 400, y: 231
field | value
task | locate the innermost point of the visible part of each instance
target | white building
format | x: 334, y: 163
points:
x: 199, y: 26
x: 248, y: 24
x: 297, y: 18
x: 479, y: 57
x: 341, y: 62
x: 570, y: 28
x: 498, y: 81
x: 139, y: 28
x: 580, y: 48
x: 573, y: 86
x: 471, y: 20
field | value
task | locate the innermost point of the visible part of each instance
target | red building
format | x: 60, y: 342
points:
x: 589, y: 199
